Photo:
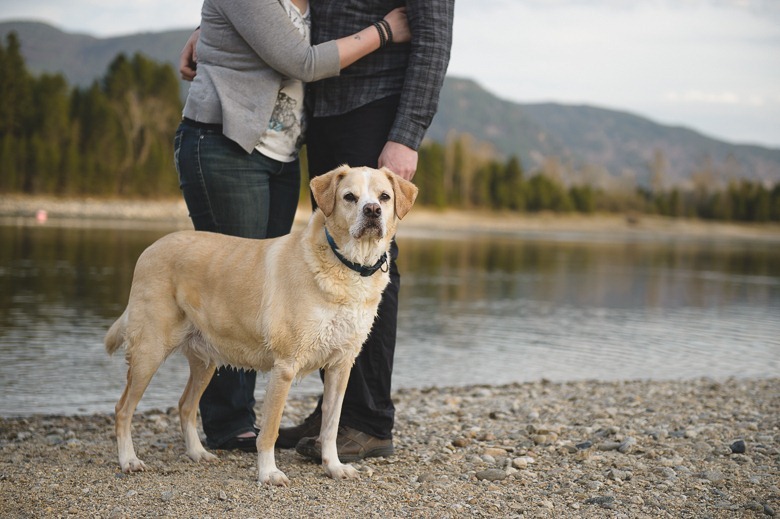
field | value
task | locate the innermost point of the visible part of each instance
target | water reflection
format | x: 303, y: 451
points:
x: 477, y: 309
x: 612, y: 275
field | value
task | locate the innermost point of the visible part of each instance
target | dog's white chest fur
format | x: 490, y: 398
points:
x: 339, y: 336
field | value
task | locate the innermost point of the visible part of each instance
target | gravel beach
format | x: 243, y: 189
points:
x: 699, y: 448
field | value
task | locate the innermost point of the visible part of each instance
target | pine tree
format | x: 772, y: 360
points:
x: 430, y: 176
x: 515, y: 185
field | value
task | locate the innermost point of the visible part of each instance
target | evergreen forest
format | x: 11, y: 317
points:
x: 115, y: 139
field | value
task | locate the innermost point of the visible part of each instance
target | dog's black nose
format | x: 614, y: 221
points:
x: 372, y: 210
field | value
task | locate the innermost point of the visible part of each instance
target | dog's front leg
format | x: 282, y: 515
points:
x: 336, y: 378
x: 279, y: 384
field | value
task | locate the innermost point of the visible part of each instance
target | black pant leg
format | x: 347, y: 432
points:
x: 357, y: 138
x: 227, y: 405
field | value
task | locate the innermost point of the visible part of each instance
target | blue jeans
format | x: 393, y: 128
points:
x: 230, y: 191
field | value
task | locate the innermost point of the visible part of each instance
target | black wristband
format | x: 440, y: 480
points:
x: 382, y: 37
x: 386, y: 25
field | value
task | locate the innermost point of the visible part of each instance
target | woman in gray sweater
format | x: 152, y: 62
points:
x: 236, y: 149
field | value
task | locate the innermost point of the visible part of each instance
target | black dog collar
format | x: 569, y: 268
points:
x: 363, y: 270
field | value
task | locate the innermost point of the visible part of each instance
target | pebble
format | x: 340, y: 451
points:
x: 522, y: 462
x: 491, y: 475
x: 495, y: 452
x: 714, y: 476
x: 618, y: 475
x: 738, y: 447
x: 600, y: 500
x: 487, y: 458
x: 461, y: 442
x: 486, y: 437
x: 53, y: 439
x: 658, y: 434
x: 426, y: 477
x: 665, y: 472
x: 627, y: 445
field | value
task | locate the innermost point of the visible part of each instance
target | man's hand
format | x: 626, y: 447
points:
x: 400, y: 159
x: 188, y: 60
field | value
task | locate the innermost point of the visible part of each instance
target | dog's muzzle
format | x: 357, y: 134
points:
x: 372, y: 210
x: 370, y: 221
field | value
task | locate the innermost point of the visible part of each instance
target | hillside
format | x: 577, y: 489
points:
x: 595, y: 139
x: 81, y: 58
x: 586, y: 141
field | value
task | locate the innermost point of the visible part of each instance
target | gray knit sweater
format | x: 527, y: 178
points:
x: 244, y: 50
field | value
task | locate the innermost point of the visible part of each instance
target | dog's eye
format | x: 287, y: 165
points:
x: 384, y: 197
x: 349, y: 197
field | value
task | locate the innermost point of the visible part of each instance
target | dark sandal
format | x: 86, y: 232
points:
x: 248, y: 444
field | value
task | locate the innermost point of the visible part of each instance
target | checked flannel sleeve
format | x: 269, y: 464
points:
x: 431, y: 25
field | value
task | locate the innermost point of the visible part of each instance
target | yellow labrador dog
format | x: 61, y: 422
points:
x: 288, y: 306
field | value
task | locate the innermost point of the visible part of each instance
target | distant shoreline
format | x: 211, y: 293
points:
x: 172, y: 214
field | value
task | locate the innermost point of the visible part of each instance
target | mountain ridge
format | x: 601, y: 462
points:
x: 582, y: 142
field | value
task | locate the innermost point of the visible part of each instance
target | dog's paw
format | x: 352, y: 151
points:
x: 342, y: 471
x: 275, y: 478
x: 202, y: 455
x: 133, y: 465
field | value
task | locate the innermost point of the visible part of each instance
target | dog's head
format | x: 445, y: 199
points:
x: 366, y: 201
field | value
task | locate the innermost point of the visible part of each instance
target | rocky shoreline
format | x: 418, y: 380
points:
x: 698, y: 448
x: 172, y: 214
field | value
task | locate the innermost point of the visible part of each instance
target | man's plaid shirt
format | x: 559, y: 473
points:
x: 414, y: 70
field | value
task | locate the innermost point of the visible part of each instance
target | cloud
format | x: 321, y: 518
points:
x: 106, y: 17
x: 717, y: 98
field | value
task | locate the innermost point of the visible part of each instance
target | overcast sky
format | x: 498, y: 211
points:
x: 710, y: 65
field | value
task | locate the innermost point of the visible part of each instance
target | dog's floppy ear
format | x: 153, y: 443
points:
x: 405, y: 193
x: 323, y: 188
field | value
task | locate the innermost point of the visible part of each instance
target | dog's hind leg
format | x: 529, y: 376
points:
x: 140, y: 370
x: 200, y: 376
x: 336, y: 378
x: 279, y: 384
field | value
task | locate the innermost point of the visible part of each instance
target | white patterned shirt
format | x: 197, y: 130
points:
x: 284, y: 136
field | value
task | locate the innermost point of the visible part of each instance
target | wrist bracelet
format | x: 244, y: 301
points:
x: 389, y: 31
x: 382, y: 37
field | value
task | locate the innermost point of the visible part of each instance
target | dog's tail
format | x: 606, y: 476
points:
x: 115, y: 337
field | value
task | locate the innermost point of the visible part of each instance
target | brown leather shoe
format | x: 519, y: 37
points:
x: 290, y: 436
x: 352, y: 445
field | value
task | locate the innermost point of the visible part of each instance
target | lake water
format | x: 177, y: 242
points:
x: 475, y: 309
